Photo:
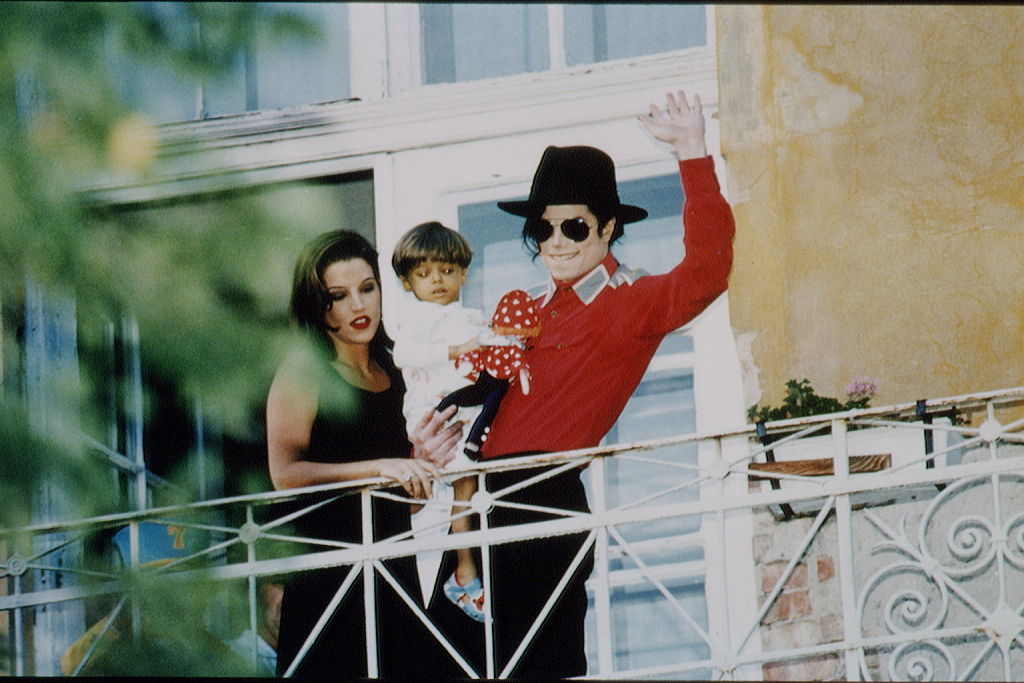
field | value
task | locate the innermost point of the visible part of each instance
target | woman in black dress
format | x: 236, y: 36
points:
x: 334, y: 413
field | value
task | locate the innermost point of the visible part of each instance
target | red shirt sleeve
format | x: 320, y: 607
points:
x: 702, y: 276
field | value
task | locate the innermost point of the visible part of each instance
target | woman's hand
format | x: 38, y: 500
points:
x: 434, y: 443
x: 681, y: 125
x: 414, y: 475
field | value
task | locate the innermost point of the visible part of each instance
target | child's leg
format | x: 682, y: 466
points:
x: 478, y: 430
x: 464, y: 587
x: 466, y: 570
x: 471, y: 395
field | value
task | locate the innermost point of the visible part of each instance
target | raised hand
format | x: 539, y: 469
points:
x: 681, y: 124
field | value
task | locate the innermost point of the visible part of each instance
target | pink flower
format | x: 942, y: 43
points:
x: 861, y: 387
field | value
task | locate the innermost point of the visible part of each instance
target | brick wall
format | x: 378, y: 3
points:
x: 808, y: 611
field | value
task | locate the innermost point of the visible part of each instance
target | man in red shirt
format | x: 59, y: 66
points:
x: 600, y: 325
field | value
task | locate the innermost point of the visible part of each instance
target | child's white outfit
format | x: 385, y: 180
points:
x: 423, y: 335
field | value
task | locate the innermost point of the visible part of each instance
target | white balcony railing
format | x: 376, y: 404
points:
x: 917, y: 571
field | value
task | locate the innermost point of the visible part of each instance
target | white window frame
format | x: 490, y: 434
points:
x: 389, y: 59
x: 390, y: 112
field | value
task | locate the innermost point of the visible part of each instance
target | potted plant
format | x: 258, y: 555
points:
x: 802, y: 401
x: 870, y: 449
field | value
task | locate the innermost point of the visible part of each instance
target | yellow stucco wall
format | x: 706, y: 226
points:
x: 876, y: 165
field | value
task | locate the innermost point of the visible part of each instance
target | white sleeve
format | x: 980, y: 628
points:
x: 417, y: 344
x: 412, y: 349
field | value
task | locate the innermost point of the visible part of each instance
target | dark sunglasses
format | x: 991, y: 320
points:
x: 540, y: 230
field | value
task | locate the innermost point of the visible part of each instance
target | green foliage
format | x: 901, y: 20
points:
x: 802, y: 401
x: 174, y: 640
x: 206, y: 282
x: 26, y: 455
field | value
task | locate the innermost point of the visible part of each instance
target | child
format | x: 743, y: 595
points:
x: 433, y: 331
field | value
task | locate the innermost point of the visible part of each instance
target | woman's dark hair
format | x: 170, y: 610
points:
x: 603, y: 214
x: 310, y: 299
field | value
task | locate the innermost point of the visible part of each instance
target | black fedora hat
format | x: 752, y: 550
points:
x: 575, y: 175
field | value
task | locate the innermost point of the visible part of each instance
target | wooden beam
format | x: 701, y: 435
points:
x: 822, y: 467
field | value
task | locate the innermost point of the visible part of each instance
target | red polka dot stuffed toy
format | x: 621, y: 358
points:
x: 515, y: 316
x: 494, y: 369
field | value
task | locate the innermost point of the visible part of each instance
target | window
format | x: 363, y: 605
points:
x: 87, y: 376
x: 459, y: 41
x: 598, y: 33
x: 141, y: 420
x: 288, y: 72
x: 280, y: 71
x: 465, y: 42
x: 358, y: 49
x: 151, y: 87
x: 176, y: 440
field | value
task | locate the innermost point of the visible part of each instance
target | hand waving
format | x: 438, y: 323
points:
x: 681, y: 125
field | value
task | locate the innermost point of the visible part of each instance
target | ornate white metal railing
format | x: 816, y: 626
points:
x: 920, y: 560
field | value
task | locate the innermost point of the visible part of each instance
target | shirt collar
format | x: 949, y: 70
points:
x: 590, y: 285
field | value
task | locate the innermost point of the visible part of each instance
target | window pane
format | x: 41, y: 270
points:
x: 292, y: 72
x: 161, y: 94
x: 597, y: 33
x: 152, y: 88
x: 661, y: 406
x: 285, y: 70
x: 656, y: 243
x: 465, y: 42
x: 647, y: 631
x: 226, y: 94
x: 500, y: 261
x: 276, y: 73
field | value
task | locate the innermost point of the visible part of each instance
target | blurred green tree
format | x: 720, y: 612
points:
x: 203, y: 282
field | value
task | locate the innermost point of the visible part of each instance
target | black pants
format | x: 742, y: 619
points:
x: 525, y: 573
x: 406, y: 647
